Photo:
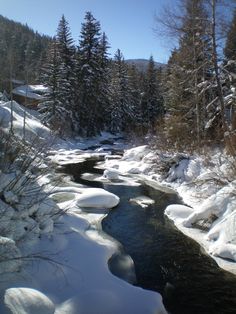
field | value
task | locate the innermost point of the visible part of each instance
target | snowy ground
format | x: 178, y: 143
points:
x: 61, y: 265
x: 66, y: 269
x: 207, y: 188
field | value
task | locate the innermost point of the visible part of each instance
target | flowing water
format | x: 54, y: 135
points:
x: 165, y: 260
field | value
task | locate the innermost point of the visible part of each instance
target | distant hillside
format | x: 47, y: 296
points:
x: 142, y: 64
x: 21, y: 50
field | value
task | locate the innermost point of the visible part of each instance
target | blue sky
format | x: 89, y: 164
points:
x: 128, y: 23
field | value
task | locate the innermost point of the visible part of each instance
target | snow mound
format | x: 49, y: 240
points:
x: 28, y: 301
x: 34, y: 129
x: 136, y: 153
x: 111, y: 174
x: 178, y: 212
x: 98, y: 198
x: 107, y: 302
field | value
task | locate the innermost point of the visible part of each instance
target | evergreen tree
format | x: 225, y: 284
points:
x: 92, y: 60
x: 152, y: 106
x: 190, y: 71
x: 121, y: 110
x: 52, y: 109
x: 136, y: 91
x: 67, y: 76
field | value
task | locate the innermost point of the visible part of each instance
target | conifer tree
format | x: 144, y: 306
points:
x: 91, y: 61
x: 152, y: 106
x: 190, y: 71
x: 52, y: 109
x: 121, y: 110
x: 66, y: 54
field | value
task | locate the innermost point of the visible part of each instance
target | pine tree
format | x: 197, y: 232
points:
x: 67, y: 76
x: 190, y: 71
x: 121, y: 110
x: 52, y: 109
x: 152, y: 106
x: 92, y: 61
x: 136, y: 91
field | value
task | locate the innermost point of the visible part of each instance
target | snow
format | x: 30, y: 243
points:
x: 9, y: 255
x: 202, y: 185
x: 142, y: 200
x: 31, y: 91
x: 111, y: 174
x: 97, y: 198
x: 27, y: 301
x: 65, y: 270
x: 34, y: 129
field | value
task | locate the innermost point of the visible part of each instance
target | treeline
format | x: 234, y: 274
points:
x: 91, y: 92
x: 22, y: 52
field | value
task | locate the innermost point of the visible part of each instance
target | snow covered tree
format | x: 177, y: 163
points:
x: 190, y: 70
x: 66, y: 51
x: 52, y: 109
x: 152, y: 105
x: 121, y: 109
x: 92, y: 61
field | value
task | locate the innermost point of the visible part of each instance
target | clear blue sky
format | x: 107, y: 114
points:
x: 128, y: 23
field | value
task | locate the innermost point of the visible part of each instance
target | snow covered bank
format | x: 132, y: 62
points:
x: 68, y: 270
x: 76, y: 279
x: 208, y: 187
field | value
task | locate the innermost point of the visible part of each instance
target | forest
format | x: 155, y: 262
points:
x: 90, y: 91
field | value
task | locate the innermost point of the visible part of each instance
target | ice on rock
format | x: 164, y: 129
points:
x: 97, y: 198
x: 28, y: 301
x: 216, y: 205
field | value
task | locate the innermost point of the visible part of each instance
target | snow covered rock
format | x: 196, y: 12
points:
x: 9, y: 256
x: 215, y: 205
x: 178, y: 212
x: 136, y: 154
x: 111, y: 174
x: 143, y: 201
x: 97, y: 198
x: 28, y: 301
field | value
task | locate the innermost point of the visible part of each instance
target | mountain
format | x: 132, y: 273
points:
x: 142, y: 64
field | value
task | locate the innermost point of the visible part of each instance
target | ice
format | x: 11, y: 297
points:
x: 142, y: 200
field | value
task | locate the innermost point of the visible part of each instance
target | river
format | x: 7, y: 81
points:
x: 165, y: 260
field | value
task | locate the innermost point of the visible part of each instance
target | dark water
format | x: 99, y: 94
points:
x: 165, y: 260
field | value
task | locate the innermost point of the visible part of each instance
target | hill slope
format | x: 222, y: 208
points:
x: 21, y: 49
x: 142, y: 64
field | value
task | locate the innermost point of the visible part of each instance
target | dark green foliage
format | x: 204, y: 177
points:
x: 22, y: 52
x: 152, y: 103
x: 92, y: 76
